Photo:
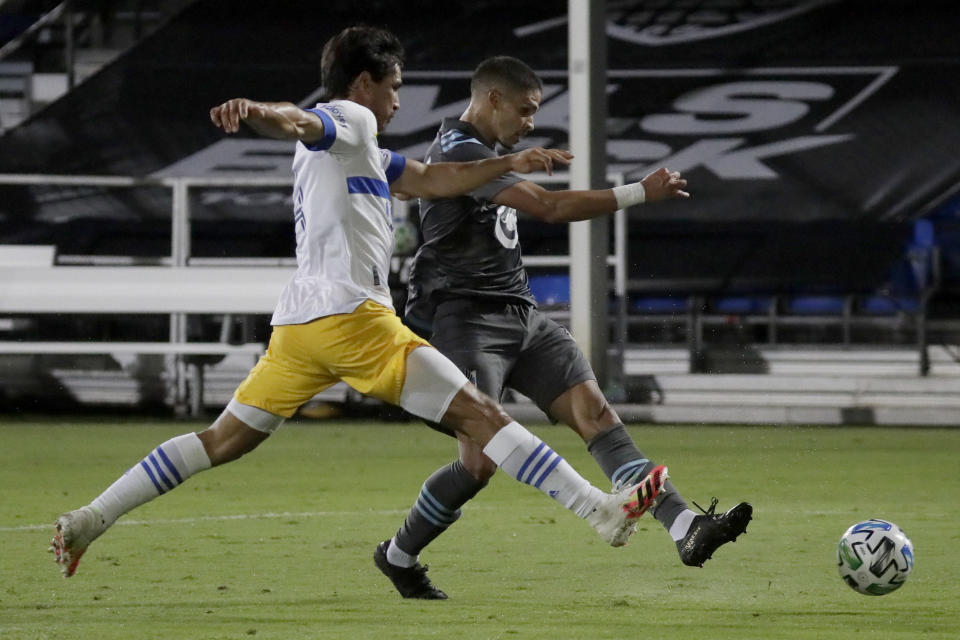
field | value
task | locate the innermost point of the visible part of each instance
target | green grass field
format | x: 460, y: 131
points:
x: 279, y: 544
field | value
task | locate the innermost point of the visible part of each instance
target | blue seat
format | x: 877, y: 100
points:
x: 816, y: 305
x: 742, y: 305
x: 551, y: 289
x: 662, y: 305
x: 911, y: 280
x: 880, y: 305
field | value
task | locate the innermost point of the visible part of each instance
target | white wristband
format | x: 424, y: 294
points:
x: 628, y: 195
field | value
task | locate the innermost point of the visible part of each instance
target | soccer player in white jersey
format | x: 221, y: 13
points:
x: 335, y: 320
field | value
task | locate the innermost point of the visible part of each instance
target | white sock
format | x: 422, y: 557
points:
x: 681, y: 524
x: 398, y: 557
x: 528, y: 459
x: 165, y: 468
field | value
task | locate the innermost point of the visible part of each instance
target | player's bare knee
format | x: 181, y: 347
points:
x: 228, y: 439
x: 475, y: 415
x: 476, y: 463
x: 482, y: 469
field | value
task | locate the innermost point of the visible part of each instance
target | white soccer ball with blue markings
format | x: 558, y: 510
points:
x: 405, y: 238
x: 874, y: 557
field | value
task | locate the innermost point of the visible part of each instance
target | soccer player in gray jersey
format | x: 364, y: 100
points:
x: 468, y: 285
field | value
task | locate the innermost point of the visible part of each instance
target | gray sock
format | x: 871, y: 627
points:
x: 437, y: 507
x: 618, y: 456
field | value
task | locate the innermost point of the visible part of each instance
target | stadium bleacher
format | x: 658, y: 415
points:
x: 839, y: 250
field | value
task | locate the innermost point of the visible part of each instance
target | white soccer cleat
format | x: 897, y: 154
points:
x: 615, y: 518
x: 75, y: 531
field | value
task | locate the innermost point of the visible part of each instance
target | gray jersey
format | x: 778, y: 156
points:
x: 471, y: 246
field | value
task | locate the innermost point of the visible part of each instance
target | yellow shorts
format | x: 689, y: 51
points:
x: 366, y: 348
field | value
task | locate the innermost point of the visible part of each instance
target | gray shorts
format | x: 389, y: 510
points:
x: 499, y: 345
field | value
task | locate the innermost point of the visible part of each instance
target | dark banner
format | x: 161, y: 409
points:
x: 777, y: 112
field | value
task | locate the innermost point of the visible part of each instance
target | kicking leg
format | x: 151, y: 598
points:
x: 584, y: 408
x: 162, y: 470
x: 432, y: 381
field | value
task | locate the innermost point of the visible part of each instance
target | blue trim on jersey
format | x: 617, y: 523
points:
x: 453, y: 138
x: 397, y: 164
x: 362, y: 184
x: 329, y: 132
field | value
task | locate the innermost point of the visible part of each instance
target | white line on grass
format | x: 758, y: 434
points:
x: 236, y: 516
x: 392, y: 512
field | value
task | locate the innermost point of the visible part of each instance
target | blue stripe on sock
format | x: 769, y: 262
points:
x: 547, y: 455
x: 529, y: 459
x: 630, y: 470
x: 169, y: 465
x: 438, y: 506
x: 543, y: 476
x: 427, y: 513
x: 146, y: 467
x: 431, y: 514
x: 163, y: 476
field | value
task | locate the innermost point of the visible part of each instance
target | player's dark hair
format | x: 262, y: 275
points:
x: 353, y: 51
x: 505, y: 71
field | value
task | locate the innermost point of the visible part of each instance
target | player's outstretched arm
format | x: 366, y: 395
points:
x: 573, y: 205
x: 280, y: 120
x: 448, y: 179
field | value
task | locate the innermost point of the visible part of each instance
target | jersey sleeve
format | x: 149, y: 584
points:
x: 471, y: 149
x: 393, y: 164
x: 347, y: 128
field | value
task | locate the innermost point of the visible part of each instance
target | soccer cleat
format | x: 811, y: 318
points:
x: 710, y: 531
x: 615, y: 518
x: 75, y: 531
x: 411, y: 582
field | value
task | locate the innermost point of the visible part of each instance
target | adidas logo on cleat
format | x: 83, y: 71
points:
x: 710, y: 531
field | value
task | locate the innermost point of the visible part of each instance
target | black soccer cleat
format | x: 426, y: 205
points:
x: 411, y: 582
x: 710, y: 531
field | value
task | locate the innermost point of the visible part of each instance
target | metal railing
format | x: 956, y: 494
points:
x: 180, y: 217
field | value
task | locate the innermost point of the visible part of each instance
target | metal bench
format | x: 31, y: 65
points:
x: 177, y: 291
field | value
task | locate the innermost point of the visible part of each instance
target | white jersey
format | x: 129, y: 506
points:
x: 342, y: 217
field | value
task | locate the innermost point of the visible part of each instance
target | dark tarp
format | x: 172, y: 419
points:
x: 783, y: 116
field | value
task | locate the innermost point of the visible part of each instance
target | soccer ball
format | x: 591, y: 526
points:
x: 405, y: 238
x: 874, y: 557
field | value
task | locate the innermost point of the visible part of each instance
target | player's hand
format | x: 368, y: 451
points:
x: 231, y: 113
x: 539, y: 159
x: 663, y: 184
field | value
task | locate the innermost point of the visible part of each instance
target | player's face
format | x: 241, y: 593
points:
x: 513, y: 117
x: 385, y: 98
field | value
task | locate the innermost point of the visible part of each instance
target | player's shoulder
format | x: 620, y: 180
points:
x: 457, y: 142
x: 347, y: 112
